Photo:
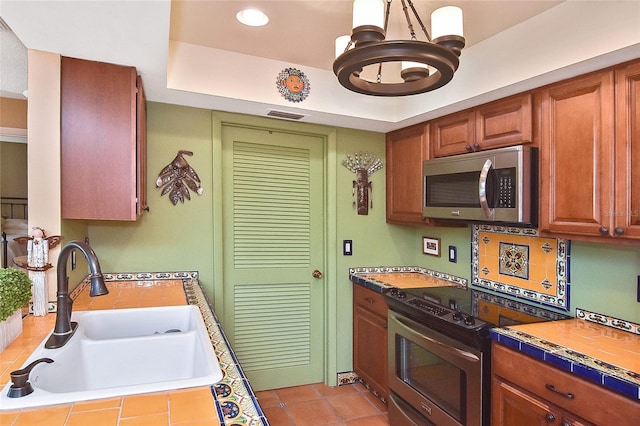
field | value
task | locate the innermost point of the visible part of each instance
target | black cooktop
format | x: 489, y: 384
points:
x: 454, y: 311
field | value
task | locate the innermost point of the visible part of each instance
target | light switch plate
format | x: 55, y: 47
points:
x: 453, y: 254
x: 347, y: 247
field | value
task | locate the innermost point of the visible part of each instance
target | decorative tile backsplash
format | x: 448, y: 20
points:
x: 518, y: 262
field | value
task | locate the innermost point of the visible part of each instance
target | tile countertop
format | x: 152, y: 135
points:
x: 597, y: 348
x: 228, y: 402
x: 598, y: 353
x: 381, y: 278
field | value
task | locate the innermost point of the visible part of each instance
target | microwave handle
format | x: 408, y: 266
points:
x: 482, y: 189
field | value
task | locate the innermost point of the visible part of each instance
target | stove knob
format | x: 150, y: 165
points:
x: 470, y: 320
x: 457, y: 316
x: 396, y: 292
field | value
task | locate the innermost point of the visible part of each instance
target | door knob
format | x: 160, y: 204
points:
x: 316, y: 274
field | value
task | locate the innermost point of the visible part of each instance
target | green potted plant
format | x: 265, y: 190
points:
x: 15, y: 292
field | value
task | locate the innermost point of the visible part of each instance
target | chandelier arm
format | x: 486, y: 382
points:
x: 386, y: 16
x: 386, y: 26
x: 412, y: 33
x: 415, y: 13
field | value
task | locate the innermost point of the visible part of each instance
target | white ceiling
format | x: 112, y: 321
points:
x: 171, y: 41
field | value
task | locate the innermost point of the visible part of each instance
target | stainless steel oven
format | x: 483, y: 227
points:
x: 433, y: 379
x: 440, y: 352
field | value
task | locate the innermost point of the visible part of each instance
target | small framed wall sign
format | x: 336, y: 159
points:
x: 431, y: 246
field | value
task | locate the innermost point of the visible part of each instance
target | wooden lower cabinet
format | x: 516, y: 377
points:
x: 370, y: 357
x: 512, y: 406
x: 528, y: 392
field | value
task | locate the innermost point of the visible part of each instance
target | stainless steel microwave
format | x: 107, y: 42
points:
x: 498, y: 185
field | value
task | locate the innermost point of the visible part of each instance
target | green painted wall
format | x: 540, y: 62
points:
x: 184, y: 237
x: 168, y: 237
x: 603, y: 277
x: 13, y: 169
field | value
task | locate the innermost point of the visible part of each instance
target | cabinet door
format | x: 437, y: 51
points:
x: 626, y: 214
x: 504, y: 123
x: 370, y: 338
x: 406, y: 150
x: 98, y: 140
x: 141, y: 153
x: 510, y: 406
x: 453, y: 134
x: 576, y: 167
x: 370, y: 349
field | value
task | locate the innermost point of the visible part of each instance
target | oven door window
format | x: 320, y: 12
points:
x: 432, y: 376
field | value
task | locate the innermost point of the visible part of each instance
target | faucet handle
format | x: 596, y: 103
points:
x: 20, y: 378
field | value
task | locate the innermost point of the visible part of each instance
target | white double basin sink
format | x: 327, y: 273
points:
x: 122, y: 352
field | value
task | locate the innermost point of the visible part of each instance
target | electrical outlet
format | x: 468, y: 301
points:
x: 347, y: 247
x: 453, y: 254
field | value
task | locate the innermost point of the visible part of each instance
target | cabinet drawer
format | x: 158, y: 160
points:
x: 370, y: 300
x: 589, y: 401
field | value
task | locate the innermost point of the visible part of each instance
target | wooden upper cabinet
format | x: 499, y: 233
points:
x: 590, y: 155
x: 103, y: 132
x: 497, y: 124
x: 141, y: 149
x: 453, y: 134
x: 576, y: 159
x: 504, y: 123
x: 626, y: 217
x: 405, y: 151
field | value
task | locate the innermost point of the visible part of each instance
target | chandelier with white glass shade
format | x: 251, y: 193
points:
x: 369, y: 63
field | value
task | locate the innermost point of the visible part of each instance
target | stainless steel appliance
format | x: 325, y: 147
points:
x: 439, y: 353
x: 497, y: 185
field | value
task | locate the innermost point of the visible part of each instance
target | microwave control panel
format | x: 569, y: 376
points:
x: 506, y: 181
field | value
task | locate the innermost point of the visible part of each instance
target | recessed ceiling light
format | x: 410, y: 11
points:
x: 252, y: 17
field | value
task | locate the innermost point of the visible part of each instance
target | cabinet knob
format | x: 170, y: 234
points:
x: 476, y: 146
x: 603, y: 230
x: 146, y: 208
x: 468, y: 147
x: 619, y: 231
x: 550, y: 418
x: 316, y: 274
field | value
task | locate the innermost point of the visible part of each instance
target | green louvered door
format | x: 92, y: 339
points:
x: 273, y: 242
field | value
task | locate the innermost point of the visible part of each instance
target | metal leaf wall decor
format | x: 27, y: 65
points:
x: 177, y: 178
x: 363, y: 165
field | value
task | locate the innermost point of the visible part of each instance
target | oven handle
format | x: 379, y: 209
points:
x: 482, y: 189
x: 402, y: 321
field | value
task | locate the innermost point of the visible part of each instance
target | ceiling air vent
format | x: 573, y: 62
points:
x: 287, y: 115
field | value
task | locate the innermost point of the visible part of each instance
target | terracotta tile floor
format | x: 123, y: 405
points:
x: 318, y: 404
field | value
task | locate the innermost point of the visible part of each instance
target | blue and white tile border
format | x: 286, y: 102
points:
x: 613, y: 322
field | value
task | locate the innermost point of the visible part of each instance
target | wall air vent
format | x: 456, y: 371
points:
x: 282, y: 114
